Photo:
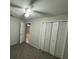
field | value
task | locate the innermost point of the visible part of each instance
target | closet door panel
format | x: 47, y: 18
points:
x: 57, y: 51
x: 43, y: 28
x: 61, y: 39
x: 47, y: 37
x: 53, y: 37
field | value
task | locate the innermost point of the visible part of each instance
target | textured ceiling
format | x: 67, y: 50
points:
x: 53, y: 7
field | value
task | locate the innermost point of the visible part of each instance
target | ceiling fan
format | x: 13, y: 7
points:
x: 28, y: 11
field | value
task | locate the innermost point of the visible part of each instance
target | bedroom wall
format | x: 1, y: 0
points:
x: 14, y: 30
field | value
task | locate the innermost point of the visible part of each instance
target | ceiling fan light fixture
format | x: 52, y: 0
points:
x: 28, y: 12
x: 26, y: 15
x: 28, y: 25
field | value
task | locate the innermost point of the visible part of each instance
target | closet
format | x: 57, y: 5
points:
x: 49, y: 37
x: 53, y: 38
x: 61, y: 39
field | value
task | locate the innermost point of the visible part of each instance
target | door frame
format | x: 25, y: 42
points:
x: 25, y: 28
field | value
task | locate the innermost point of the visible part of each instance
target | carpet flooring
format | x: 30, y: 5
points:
x: 25, y: 51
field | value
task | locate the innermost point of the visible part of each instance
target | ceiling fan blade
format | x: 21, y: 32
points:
x: 32, y: 2
x: 14, y: 5
x: 43, y: 13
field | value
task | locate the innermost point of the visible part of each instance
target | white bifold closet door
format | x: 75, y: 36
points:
x: 43, y: 28
x: 61, y: 39
x: 53, y: 37
x: 47, y: 36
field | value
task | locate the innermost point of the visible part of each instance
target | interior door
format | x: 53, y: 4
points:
x: 22, y: 32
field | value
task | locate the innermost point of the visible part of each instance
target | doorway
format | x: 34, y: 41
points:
x: 27, y: 32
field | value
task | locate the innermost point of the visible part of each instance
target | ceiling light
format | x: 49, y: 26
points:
x: 26, y: 15
x: 28, y: 24
x: 28, y: 12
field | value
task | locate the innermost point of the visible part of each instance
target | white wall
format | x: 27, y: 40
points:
x: 14, y: 30
x: 34, y: 37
